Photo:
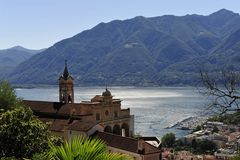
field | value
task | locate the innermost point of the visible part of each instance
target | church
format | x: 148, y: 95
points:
x: 101, y: 117
x: 67, y: 118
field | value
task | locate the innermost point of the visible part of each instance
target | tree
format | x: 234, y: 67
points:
x: 194, y: 144
x: 22, y: 134
x: 8, y: 97
x: 215, y: 129
x: 206, y: 146
x: 198, y: 128
x: 224, y: 90
x: 168, y: 140
x: 82, y: 148
x: 236, y: 157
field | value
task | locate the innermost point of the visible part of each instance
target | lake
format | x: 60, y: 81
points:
x: 154, y: 108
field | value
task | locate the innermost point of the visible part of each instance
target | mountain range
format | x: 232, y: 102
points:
x: 12, y: 57
x: 155, y: 51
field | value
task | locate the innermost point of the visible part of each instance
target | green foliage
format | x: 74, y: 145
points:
x: 233, y: 118
x: 38, y: 156
x: 8, y: 158
x: 8, y: 98
x: 21, y: 134
x: 215, y: 129
x: 197, y: 147
x: 236, y: 157
x: 57, y: 141
x: 194, y: 144
x: 168, y: 140
x: 178, y: 142
x: 198, y: 128
x: 205, y: 146
x: 81, y: 148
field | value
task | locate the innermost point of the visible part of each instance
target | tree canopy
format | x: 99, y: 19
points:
x: 168, y: 139
x: 231, y: 118
x: 205, y: 146
x: 236, y: 157
x: 8, y: 97
x: 22, y: 134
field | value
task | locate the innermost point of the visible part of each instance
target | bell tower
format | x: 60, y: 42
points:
x: 66, y: 91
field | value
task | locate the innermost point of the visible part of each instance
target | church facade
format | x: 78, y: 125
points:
x: 66, y: 118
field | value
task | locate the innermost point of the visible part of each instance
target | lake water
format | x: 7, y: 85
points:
x: 154, y: 108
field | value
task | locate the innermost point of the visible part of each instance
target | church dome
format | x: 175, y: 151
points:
x: 106, y: 93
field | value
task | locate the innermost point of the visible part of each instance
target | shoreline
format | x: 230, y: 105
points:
x: 189, y: 123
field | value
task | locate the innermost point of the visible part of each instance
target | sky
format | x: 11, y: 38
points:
x: 37, y: 24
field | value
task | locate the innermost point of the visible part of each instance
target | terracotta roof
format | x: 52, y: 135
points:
x: 97, y: 98
x: 51, y: 107
x: 126, y: 143
x: 57, y: 125
x: 81, y: 126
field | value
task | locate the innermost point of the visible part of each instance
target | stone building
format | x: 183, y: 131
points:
x: 67, y: 118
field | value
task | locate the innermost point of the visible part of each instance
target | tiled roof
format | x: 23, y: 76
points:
x: 60, y: 125
x: 81, y: 126
x: 57, y: 125
x: 51, y: 107
x: 97, y: 98
x: 59, y: 115
x: 126, y: 143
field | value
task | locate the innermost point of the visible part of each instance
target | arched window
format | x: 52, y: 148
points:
x: 117, y: 129
x: 108, y: 129
x: 69, y: 98
x: 125, y: 130
x: 106, y: 113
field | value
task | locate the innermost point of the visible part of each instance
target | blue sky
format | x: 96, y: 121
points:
x: 39, y: 24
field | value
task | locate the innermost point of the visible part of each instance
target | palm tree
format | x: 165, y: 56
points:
x: 82, y: 148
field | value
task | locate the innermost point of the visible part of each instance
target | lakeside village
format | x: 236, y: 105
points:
x: 102, y: 117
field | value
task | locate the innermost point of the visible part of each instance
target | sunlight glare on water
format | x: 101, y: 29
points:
x: 154, y: 108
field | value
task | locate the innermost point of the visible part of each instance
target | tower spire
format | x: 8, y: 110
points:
x: 66, y: 90
x: 65, y: 72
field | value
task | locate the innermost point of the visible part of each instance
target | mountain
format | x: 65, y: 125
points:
x: 165, y: 50
x: 225, y: 56
x: 12, y: 57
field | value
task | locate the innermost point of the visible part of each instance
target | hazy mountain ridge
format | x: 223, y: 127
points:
x: 140, y: 51
x: 12, y: 57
